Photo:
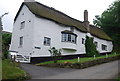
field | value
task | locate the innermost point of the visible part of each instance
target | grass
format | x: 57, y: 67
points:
x: 85, y: 59
x: 11, y: 71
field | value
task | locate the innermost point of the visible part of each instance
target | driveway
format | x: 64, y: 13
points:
x: 103, y: 71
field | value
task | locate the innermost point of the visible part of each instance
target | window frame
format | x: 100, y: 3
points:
x: 96, y: 44
x: 104, y: 47
x: 22, y: 25
x: 21, y: 41
x: 66, y: 37
x: 47, y: 41
x: 83, y: 41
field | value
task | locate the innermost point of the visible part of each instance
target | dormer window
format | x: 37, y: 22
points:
x: 68, y: 36
x: 22, y: 25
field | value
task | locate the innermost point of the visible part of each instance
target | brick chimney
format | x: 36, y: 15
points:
x: 86, y: 22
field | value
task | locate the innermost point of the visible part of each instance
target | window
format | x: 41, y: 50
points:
x: 72, y: 29
x: 22, y: 25
x: 83, y: 41
x: 47, y: 41
x: 96, y: 44
x: 69, y: 38
x: 21, y: 41
x: 104, y: 47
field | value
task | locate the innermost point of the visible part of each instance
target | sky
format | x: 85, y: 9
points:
x: 73, y: 8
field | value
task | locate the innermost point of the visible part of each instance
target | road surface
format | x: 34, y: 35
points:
x: 102, y: 71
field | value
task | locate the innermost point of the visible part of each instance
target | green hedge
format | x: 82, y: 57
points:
x: 90, y: 47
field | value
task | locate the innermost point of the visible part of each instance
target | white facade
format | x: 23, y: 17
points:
x: 36, y: 29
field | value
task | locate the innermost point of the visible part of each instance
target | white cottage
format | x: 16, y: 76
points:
x: 38, y: 27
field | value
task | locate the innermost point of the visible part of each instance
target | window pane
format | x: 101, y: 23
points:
x: 83, y: 41
x: 104, y: 47
x: 22, y: 25
x: 73, y: 38
x: 47, y: 41
x: 21, y: 41
x: 69, y: 37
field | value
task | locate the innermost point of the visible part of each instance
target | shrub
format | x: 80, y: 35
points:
x: 55, y: 53
x: 90, y: 47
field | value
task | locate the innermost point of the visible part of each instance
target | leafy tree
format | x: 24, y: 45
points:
x: 90, y: 47
x: 55, y: 53
x: 6, y: 39
x: 109, y: 21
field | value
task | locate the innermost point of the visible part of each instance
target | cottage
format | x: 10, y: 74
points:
x: 38, y: 27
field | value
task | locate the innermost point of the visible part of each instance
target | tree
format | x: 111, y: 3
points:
x: 109, y: 21
x: 6, y: 39
x: 90, y: 47
x: 55, y: 53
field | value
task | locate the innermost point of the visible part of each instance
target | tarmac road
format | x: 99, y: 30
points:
x: 103, y: 71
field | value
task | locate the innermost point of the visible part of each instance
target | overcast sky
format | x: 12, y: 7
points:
x: 73, y: 8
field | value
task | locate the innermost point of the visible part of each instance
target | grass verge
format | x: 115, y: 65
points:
x: 11, y: 71
x: 84, y: 59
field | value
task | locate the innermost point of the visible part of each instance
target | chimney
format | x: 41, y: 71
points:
x: 86, y: 22
x: 29, y: 0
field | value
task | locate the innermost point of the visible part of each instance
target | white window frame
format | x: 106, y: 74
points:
x: 83, y: 41
x: 22, y: 24
x: 96, y: 44
x: 21, y: 41
x: 66, y: 39
x: 47, y: 41
x: 104, y: 47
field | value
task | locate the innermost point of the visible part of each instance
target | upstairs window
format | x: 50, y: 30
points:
x: 22, y: 25
x: 21, y: 42
x: 83, y: 41
x: 47, y: 41
x: 69, y: 38
x: 104, y: 47
x: 96, y: 44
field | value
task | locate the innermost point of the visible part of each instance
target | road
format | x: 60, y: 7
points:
x: 102, y: 71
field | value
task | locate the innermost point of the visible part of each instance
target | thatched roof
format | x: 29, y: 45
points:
x: 52, y: 14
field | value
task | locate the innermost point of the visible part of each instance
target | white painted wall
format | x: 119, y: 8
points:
x: 45, y: 28
x: 26, y: 32
x: 105, y: 42
x: 35, y: 31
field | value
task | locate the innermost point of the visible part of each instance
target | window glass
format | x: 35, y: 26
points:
x: 22, y: 25
x: 47, y: 41
x: 104, y: 47
x: 96, y: 44
x: 21, y: 42
x: 69, y: 38
x: 83, y: 41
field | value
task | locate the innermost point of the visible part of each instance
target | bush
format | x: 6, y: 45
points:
x: 55, y: 53
x: 90, y: 47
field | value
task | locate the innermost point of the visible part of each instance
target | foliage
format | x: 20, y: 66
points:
x: 55, y: 53
x: 109, y: 21
x: 11, y: 71
x: 6, y: 39
x: 82, y: 60
x: 90, y: 47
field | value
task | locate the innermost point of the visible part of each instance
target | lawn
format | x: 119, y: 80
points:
x: 85, y: 59
x: 11, y: 71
